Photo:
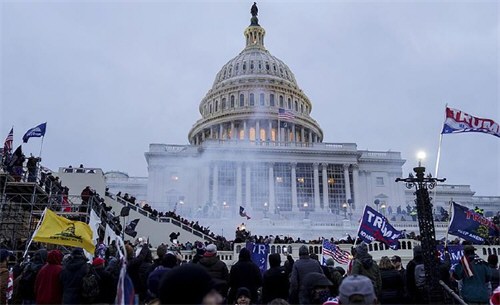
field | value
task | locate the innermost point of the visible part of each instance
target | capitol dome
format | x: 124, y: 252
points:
x: 256, y: 98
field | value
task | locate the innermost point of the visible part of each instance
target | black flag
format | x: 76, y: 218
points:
x: 130, y: 228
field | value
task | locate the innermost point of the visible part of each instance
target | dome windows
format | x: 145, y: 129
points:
x: 244, y: 66
x: 223, y: 104
x: 289, y: 104
x: 261, y: 99
x: 251, y: 65
x: 232, y: 101
x: 252, y: 100
x: 271, y: 100
x: 296, y: 106
x: 216, y: 106
x: 242, y: 100
x: 267, y: 66
x: 237, y: 66
x: 281, y: 101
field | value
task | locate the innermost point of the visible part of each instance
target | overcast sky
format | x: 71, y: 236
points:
x: 110, y: 78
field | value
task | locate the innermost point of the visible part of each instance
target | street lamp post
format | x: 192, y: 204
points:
x: 422, y: 184
x: 306, y: 210
x: 344, y: 205
x: 382, y: 206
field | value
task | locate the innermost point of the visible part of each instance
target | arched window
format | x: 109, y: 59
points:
x: 261, y: 99
x: 232, y: 101
x: 223, y: 104
x: 210, y: 108
x: 281, y: 101
x: 237, y: 66
x: 216, y: 106
x: 252, y: 100
x: 302, y: 108
x: 267, y: 66
x: 271, y: 100
x: 289, y: 104
x: 244, y: 65
x: 251, y: 65
x: 242, y: 100
x: 296, y: 106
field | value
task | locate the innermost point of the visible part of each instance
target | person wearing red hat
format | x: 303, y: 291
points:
x: 107, y: 284
x: 48, y: 288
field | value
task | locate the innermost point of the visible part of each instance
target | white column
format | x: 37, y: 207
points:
x: 310, y: 136
x: 257, y: 131
x: 271, y: 188
x: 248, y: 197
x: 238, y: 185
x: 215, y: 191
x: 347, y: 182
x: 302, y: 133
x: 324, y: 167
x: 203, y: 135
x: 294, y: 187
x: 355, y: 183
x: 316, y: 186
x: 245, y: 131
x: 221, y: 131
x: 231, y: 135
x: 269, y: 130
x: 211, y: 132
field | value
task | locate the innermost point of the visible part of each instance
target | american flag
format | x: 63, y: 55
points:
x: 339, y: 255
x: 284, y: 114
x: 7, y: 146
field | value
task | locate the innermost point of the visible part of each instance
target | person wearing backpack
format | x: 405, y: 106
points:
x: 364, y: 264
x: 414, y: 274
x: 107, y: 284
x: 28, y: 276
x: 74, y: 269
x: 475, y: 275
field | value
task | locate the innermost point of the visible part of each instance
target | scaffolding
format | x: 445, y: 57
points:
x: 22, y: 205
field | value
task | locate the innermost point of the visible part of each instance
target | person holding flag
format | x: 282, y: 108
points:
x: 475, y: 275
x: 4, y: 275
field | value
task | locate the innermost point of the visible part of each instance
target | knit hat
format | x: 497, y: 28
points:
x: 303, y: 250
x: 98, y: 261
x: 77, y: 251
x: 5, y: 254
x: 362, y: 249
x: 330, y: 262
x: 357, y: 286
x: 187, y: 284
x: 243, y: 291
x: 211, y: 250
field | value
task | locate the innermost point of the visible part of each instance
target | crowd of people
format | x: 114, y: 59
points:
x: 50, y: 277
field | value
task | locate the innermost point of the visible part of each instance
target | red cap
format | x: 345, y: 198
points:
x: 98, y: 261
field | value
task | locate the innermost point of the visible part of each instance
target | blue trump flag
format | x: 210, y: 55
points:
x: 456, y: 252
x: 470, y: 225
x: 35, y: 132
x: 259, y: 253
x: 374, y: 226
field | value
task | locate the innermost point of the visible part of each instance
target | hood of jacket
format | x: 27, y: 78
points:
x: 54, y: 257
x: 209, y: 260
x: 244, y: 255
x: 75, y: 262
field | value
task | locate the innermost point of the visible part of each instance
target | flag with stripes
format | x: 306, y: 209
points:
x: 7, y: 145
x: 10, y: 285
x: 332, y: 250
x: 284, y: 114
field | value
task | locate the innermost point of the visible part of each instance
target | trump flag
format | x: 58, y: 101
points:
x: 58, y: 230
x: 35, y: 132
x: 470, y: 225
x: 458, y: 121
x: 374, y: 226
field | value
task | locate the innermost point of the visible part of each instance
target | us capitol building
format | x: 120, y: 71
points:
x: 256, y: 145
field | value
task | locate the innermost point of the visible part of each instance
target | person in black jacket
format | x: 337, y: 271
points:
x: 139, y: 268
x: 216, y: 268
x: 74, y: 269
x: 107, y: 284
x: 275, y: 282
x: 392, y: 291
x: 244, y: 273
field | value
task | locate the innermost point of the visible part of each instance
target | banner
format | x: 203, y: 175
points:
x: 259, y: 253
x: 458, y: 121
x: 470, y: 225
x: 58, y: 230
x: 374, y: 226
x: 35, y: 132
x: 456, y: 252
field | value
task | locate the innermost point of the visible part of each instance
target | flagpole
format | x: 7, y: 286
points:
x: 449, y: 223
x: 41, y: 146
x: 34, y: 233
x: 359, y: 227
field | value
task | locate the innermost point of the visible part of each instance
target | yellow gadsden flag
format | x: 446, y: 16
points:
x: 58, y: 230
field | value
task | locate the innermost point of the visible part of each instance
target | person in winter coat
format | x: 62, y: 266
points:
x: 138, y: 269
x: 475, y: 275
x: 107, y: 284
x: 74, y: 269
x: 392, y: 283
x: 495, y: 275
x: 4, y: 274
x: 28, y: 276
x: 414, y: 296
x: 333, y: 275
x: 244, y: 273
x: 275, y: 282
x: 168, y: 262
x: 48, y: 288
x: 364, y: 264
x: 316, y: 289
x: 216, y: 268
x: 300, y: 269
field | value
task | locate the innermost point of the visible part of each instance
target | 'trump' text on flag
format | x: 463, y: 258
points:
x: 374, y: 226
x: 458, y: 121
x: 470, y: 225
